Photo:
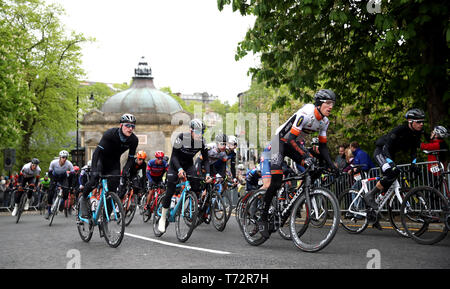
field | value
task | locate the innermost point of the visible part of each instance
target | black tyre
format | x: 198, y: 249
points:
x: 186, y: 216
x: 113, y: 221
x: 54, y: 209
x: 85, y: 230
x: 310, y: 238
x: 251, y: 214
x: 130, y: 209
x: 393, y: 206
x: 423, y: 214
x: 22, y: 202
x: 353, y: 212
x: 218, y: 212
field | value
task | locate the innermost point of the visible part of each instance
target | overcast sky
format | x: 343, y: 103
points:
x: 189, y: 44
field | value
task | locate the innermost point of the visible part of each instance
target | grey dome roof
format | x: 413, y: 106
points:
x: 142, y: 96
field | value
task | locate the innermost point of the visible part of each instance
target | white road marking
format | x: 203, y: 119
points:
x: 178, y: 245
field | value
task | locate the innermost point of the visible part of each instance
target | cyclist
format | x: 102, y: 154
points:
x: 406, y: 138
x: 58, y: 172
x: 84, y: 175
x: 231, y: 151
x: 310, y: 118
x: 136, y: 175
x: 44, y: 186
x: 156, y: 168
x: 29, y: 174
x: 106, y: 157
x: 437, y: 142
x: 185, y: 147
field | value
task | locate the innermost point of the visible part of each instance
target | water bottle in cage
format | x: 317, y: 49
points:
x: 94, y: 204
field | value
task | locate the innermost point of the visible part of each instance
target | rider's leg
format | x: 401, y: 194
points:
x: 172, y: 178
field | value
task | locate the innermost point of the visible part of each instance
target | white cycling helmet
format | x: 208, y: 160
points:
x: 63, y: 154
x: 440, y: 131
x: 232, y: 140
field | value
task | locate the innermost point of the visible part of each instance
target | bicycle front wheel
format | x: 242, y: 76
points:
x: 311, y: 238
x: 113, y: 222
x: 250, y: 216
x: 423, y: 213
x: 22, y: 202
x: 394, y: 215
x: 218, y: 212
x: 353, y: 212
x: 54, y: 209
x: 186, y: 217
x: 85, y: 230
x: 130, y: 209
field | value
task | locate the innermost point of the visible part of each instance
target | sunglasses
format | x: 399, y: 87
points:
x: 222, y: 143
x: 198, y: 132
x: 419, y: 121
x: 129, y: 125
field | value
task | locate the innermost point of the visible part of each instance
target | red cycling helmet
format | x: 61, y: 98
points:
x: 159, y: 154
x: 76, y: 168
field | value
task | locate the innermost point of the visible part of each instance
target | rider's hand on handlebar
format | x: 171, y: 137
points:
x: 181, y: 174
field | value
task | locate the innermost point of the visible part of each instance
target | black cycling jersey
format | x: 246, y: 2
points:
x: 401, y: 138
x: 112, y: 145
x: 184, y: 150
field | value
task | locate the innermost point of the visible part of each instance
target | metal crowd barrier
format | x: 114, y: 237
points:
x: 423, y: 178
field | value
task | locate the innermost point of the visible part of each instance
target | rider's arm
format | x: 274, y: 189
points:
x: 176, y: 152
x: 131, y: 156
x: 205, y: 159
x: 325, y: 153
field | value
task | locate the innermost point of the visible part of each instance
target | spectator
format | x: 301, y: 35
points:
x: 2, y: 188
x: 349, y: 158
x: 361, y: 157
x: 436, y: 142
x: 340, y: 158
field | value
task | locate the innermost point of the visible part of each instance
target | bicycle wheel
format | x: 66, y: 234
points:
x: 393, y: 207
x: 228, y: 205
x: 43, y: 205
x: 218, y: 212
x: 423, y: 213
x: 311, y: 238
x: 85, y: 230
x: 54, y: 209
x: 147, y: 213
x: 22, y: 201
x: 251, y: 214
x: 113, y: 223
x: 130, y: 209
x: 353, y: 212
x: 186, y: 217
x: 240, y: 208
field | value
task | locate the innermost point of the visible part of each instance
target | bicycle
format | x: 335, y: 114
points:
x: 305, y: 205
x: 425, y: 211
x: 183, y: 212
x: 129, y: 202
x: 106, y: 212
x: 353, y: 208
x: 149, y: 201
x: 69, y: 203
x: 23, y: 200
x: 56, y: 203
x: 212, y: 207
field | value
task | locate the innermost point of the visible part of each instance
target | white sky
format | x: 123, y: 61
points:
x: 189, y: 44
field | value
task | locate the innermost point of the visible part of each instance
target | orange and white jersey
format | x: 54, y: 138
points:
x: 305, y: 121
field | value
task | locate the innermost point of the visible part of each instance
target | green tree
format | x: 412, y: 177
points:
x: 381, y: 64
x: 42, y: 78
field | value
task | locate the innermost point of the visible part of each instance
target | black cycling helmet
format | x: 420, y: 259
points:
x: 35, y: 161
x: 440, y: 131
x: 324, y: 95
x: 415, y: 113
x: 127, y: 118
x: 221, y: 137
x: 197, y: 125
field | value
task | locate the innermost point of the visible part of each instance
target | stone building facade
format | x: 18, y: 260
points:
x: 159, y: 117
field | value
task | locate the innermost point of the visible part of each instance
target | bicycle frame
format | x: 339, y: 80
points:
x: 172, y: 211
x: 102, y: 204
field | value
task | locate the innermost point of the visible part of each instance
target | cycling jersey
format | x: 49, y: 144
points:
x: 45, y: 183
x: 184, y: 150
x: 58, y: 171
x: 156, y: 171
x: 27, y: 172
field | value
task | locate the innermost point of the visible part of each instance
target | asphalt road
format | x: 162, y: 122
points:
x: 33, y: 244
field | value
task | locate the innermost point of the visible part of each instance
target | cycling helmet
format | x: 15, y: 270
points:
x: 159, y: 154
x: 414, y: 114
x: 141, y: 155
x: 76, y: 168
x: 35, y: 161
x: 232, y: 140
x: 127, y: 118
x: 197, y: 125
x: 324, y: 95
x: 440, y: 131
x: 63, y: 154
x: 221, y: 137
x: 315, y: 141
x: 89, y: 163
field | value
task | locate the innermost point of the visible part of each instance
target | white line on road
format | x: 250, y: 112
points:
x: 178, y: 245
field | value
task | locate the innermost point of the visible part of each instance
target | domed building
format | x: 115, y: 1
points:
x: 159, y: 117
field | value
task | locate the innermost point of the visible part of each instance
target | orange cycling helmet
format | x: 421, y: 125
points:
x: 141, y: 155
